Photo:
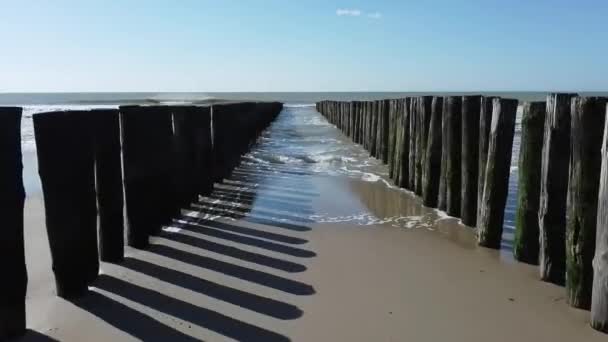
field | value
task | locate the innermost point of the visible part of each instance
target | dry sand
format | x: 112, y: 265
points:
x: 341, y: 281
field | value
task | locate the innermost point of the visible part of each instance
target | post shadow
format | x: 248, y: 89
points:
x: 236, y: 253
x: 268, y: 221
x: 263, y: 203
x: 202, y: 317
x: 128, y: 320
x: 256, y: 209
x: 245, y: 240
x: 244, y: 230
x: 244, y: 273
x: 263, y: 305
x: 250, y: 195
x: 34, y: 336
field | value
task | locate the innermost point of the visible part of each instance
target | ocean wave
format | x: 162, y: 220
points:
x: 299, y: 105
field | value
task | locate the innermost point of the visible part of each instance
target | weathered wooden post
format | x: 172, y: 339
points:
x: 357, y: 138
x: 392, y: 140
x: 554, y: 189
x: 108, y: 181
x: 496, y: 188
x: 397, y: 125
x: 442, y: 196
x: 413, y: 109
x: 374, y: 130
x: 587, y: 132
x: 66, y: 166
x: 525, y: 246
x: 384, y: 120
x: 13, y: 286
x: 424, y: 117
x: 599, y: 298
x: 404, y: 171
x: 485, y: 121
x: 453, y: 169
x: 470, y: 159
x: 432, y: 160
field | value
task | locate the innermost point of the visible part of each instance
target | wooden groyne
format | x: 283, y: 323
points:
x: 161, y: 157
x: 456, y: 153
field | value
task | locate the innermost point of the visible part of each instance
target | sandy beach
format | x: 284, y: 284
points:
x: 285, y: 252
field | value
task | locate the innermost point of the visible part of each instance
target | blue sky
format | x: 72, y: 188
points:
x: 272, y: 45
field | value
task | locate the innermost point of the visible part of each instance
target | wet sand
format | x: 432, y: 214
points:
x: 281, y: 253
x: 279, y: 280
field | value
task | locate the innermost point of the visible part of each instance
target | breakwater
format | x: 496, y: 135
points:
x: 145, y: 161
x: 455, y: 153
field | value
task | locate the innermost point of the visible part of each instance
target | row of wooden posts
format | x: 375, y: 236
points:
x: 162, y: 157
x: 455, y: 152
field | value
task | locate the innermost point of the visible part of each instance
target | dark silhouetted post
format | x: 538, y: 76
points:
x: 496, y: 188
x: 147, y: 136
x: 66, y: 166
x: 470, y: 159
x: 525, y: 246
x: 108, y: 181
x: 13, y: 285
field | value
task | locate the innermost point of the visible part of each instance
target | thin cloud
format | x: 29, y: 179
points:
x: 348, y: 12
x: 353, y: 12
x: 375, y: 15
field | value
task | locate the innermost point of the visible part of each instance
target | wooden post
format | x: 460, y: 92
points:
x: 470, y: 158
x: 13, y: 286
x: 599, y: 299
x: 485, y: 121
x: 525, y: 246
x: 374, y: 129
x: 186, y: 175
x: 587, y: 131
x: 204, y: 150
x: 147, y: 150
x: 424, y: 117
x: 442, y: 197
x: 413, y: 109
x: 384, y: 120
x: 453, y: 170
x: 392, y: 140
x: 404, y: 173
x: 108, y: 181
x: 554, y: 189
x: 66, y: 166
x: 398, y: 128
x: 496, y: 188
x: 432, y: 161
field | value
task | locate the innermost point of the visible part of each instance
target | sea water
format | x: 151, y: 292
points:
x: 300, y: 137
